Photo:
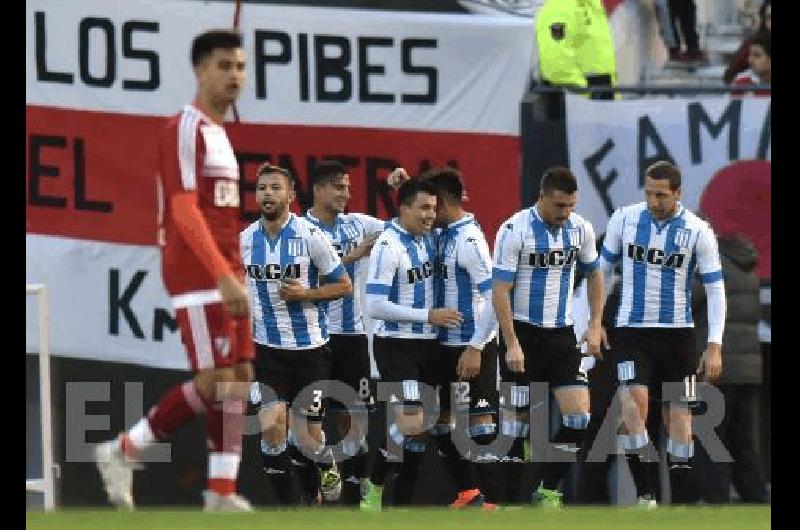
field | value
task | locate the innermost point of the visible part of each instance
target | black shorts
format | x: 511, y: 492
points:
x: 480, y: 392
x: 654, y: 355
x: 405, y: 360
x: 293, y: 375
x: 350, y: 365
x: 551, y: 356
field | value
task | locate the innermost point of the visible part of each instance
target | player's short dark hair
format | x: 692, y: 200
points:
x: 204, y: 44
x: 327, y: 170
x: 447, y: 182
x: 268, y: 168
x: 409, y: 189
x: 764, y: 39
x: 558, y: 178
x: 665, y: 170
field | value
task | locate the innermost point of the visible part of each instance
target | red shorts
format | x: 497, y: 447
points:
x: 213, y: 338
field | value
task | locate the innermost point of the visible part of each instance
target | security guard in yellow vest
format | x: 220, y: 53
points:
x: 575, y: 46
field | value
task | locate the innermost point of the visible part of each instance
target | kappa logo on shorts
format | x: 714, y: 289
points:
x: 223, y: 345
x: 483, y: 404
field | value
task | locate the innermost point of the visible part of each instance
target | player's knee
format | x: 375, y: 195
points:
x: 273, y: 421
x: 410, y: 420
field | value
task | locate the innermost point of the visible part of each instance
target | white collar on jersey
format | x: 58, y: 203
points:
x: 665, y: 222
x: 395, y: 224
x: 283, y: 227
x: 552, y: 228
x: 318, y: 222
x: 465, y: 219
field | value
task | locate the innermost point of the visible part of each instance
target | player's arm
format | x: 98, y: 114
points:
x: 178, y: 164
x: 475, y: 258
x: 508, y: 245
x: 588, y: 262
x: 710, y: 268
x: 335, y: 282
x: 372, y: 227
x: 383, y: 265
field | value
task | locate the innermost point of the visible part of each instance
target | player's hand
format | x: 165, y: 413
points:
x: 362, y: 249
x: 292, y: 290
x: 444, y: 317
x: 711, y: 362
x: 469, y: 364
x: 595, y: 337
x: 234, y: 295
x: 397, y: 177
x: 514, y: 358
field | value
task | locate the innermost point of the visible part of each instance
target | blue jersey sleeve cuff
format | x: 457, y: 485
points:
x: 336, y: 273
x: 378, y: 288
x: 711, y: 277
x: 503, y: 275
x: 485, y: 285
x: 608, y: 255
x: 591, y: 266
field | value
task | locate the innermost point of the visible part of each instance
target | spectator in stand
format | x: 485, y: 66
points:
x: 740, y: 381
x: 684, y: 13
x: 760, y: 60
x: 740, y: 61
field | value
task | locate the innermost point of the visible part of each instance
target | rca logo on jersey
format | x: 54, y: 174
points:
x: 418, y: 274
x: 553, y: 258
x: 272, y: 271
x: 655, y: 256
x: 344, y: 248
x: 440, y: 269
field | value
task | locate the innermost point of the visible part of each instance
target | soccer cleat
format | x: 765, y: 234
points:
x: 371, y: 497
x: 330, y: 484
x: 547, y: 498
x: 646, y: 502
x: 214, y: 502
x: 465, y: 498
x: 116, y: 470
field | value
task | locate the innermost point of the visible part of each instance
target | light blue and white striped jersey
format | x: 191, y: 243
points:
x: 348, y: 231
x: 658, y: 264
x: 401, y: 271
x: 464, y: 280
x: 301, y: 251
x: 540, y: 260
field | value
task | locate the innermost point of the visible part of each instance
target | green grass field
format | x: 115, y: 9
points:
x: 572, y: 518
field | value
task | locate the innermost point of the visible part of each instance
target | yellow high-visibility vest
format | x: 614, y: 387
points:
x: 574, y: 40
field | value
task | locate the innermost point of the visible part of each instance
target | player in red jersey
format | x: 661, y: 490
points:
x: 198, y: 185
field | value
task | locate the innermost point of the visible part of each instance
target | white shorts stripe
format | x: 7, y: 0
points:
x: 200, y: 336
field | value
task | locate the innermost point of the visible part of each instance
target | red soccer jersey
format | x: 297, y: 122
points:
x: 749, y: 77
x: 198, y: 203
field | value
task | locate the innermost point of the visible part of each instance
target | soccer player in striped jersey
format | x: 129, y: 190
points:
x: 400, y: 295
x: 467, y: 365
x: 352, y: 235
x: 198, y: 185
x: 536, y: 253
x: 292, y: 269
x: 661, y: 245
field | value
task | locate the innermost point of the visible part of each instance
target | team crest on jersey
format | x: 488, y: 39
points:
x: 682, y: 236
x: 295, y: 246
x: 350, y: 231
x: 574, y: 235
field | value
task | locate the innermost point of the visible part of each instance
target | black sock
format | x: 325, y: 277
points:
x: 352, y: 471
x: 511, y: 467
x: 307, y: 473
x: 487, y: 467
x: 555, y: 471
x: 644, y: 475
x: 681, y: 486
x: 460, y: 468
x: 278, y: 468
x: 408, y: 472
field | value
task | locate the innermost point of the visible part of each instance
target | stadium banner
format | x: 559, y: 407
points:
x: 722, y: 146
x: 373, y: 89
